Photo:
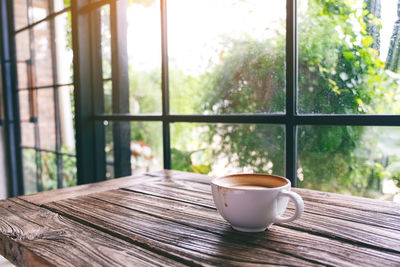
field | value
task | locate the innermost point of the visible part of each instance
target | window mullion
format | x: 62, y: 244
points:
x: 291, y: 91
x: 165, y: 86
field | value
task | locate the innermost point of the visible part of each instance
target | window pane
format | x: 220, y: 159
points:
x: 39, y: 10
x: 69, y: 171
x: 49, y: 171
x: 23, y: 98
x: 61, y: 4
x: 226, y: 56
x: 42, y: 50
x: 28, y: 134
x: 67, y: 114
x: 23, y: 57
x: 220, y: 149
x: 144, y: 56
x: 46, y: 118
x: 30, y: 169
x: 362, y: 161
x: 105, y: 41
x: 107, y: 87
x: 20, y: 14
x: 145, y: 146
x: 348, y: 57
x: 63, y: 48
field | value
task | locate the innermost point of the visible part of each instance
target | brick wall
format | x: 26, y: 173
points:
x: 41, y: 56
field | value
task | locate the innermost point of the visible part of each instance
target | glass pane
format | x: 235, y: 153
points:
x: 28, y: 134
x: 107, y: 87
x: 362, y: 161
x: 39, y: 10
x: 46, y: 118
x: 110, y: 171
x: 22, y: 69
x: 348, y: 57
x: 67, y: 115
x: 220, y: 149
x: 145, y: 146
x: 23, y: 57
x: 144, y: 56
x: 226, y: 56
x: 30, y: 168
x: 109, y: 149
x: 23, y: 98
x: 20, y: 14
x: 105, y: 41
x: 49, y: 171
x: 42, y: 49
x: 69, y: 171
x: 61, y: 4
x: 63, y: 48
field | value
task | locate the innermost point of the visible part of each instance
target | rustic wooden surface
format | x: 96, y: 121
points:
x: 168, y: 218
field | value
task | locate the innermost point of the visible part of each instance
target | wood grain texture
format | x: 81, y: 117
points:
x: 81, y: 190
x: 343, y: 212
x: 351, y: 227
x: 191, y: 244
x: 34, y: 236
x: 319, y: 249
x: 169, y: 218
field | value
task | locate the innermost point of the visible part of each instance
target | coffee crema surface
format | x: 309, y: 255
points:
x: 250, y: 186
x: 243, y: 181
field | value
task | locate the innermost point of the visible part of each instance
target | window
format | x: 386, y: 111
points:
x: 307, y: 89
x: 45, y: 93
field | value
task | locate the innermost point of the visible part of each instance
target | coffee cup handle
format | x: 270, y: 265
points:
x: 298, y: 201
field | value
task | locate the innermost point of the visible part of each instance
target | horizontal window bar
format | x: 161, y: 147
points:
x: 361, y: 120
x: 358, y: 120
x: 49, y: 17
x: 45, y: 86
x: 239, y: 118
x: 48, y: 151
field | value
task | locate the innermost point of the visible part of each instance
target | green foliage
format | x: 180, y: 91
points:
x: 182, y: 160
x: 249, y: 79
x: 339, y: 73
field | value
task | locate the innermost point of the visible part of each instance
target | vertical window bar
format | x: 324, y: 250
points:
x: 98, y: 94
x: 57, y: 122
x: 165, y: 86
x: 120, y: 87
x: 10, y: 100
x: 83, y: 51
x: 291, y: 91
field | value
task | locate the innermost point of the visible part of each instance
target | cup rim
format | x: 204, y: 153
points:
x: 288, y: 183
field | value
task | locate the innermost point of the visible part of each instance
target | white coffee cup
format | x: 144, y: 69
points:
x: 253, y: 202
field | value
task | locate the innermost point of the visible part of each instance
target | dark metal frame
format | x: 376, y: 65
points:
x: 290, y: 119
x: 89, y: 95
x: 11, y: 102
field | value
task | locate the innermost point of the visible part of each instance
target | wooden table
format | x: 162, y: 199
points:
x: 168, y: 218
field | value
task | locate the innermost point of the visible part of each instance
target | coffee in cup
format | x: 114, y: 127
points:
x: 253, y: 202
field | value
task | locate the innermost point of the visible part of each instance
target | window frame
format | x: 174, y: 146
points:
x: 89, y: 96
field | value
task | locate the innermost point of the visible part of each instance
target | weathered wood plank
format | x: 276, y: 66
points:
x: 316, y: 223
x: 301, y: 244
x: 81, y: 190
x: 180, y: 175
x: 374, y: 218
x: 201, y: 247
x: 34, y: 236
x: 361, y: 203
